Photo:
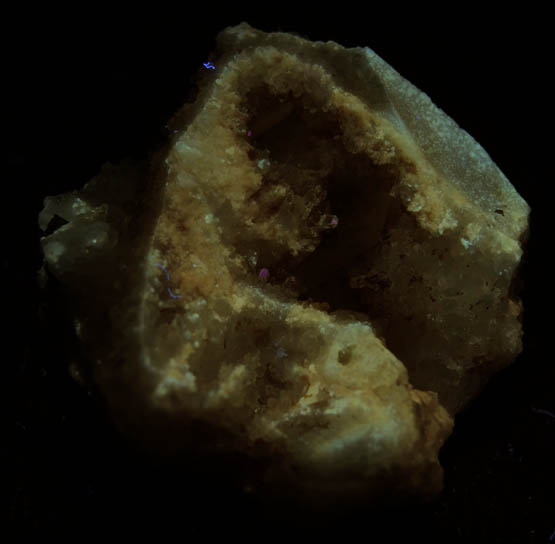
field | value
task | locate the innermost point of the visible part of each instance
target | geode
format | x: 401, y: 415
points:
x: 316, y: 273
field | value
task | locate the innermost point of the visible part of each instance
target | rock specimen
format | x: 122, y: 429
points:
x: 316, y: 273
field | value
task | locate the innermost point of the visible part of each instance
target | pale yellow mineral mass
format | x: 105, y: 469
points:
x: 316, y: 272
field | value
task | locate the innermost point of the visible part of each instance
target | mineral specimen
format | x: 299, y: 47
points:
x: 316, y: 273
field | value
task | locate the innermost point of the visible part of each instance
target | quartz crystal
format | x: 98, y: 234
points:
x: 316, y: 273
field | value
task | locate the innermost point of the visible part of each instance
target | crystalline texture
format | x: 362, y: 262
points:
x: 316, y: 272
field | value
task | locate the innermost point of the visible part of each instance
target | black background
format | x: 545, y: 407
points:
x: 82, y: 92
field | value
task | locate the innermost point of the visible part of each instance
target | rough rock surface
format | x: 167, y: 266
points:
x: 316, y: 273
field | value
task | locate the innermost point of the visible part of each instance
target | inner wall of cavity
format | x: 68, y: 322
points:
x: 319, y: 213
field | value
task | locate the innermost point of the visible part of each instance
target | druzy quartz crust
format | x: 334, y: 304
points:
x: 317, y: 272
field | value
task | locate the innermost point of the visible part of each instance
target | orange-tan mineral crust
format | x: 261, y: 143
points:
x: 316, y: 273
